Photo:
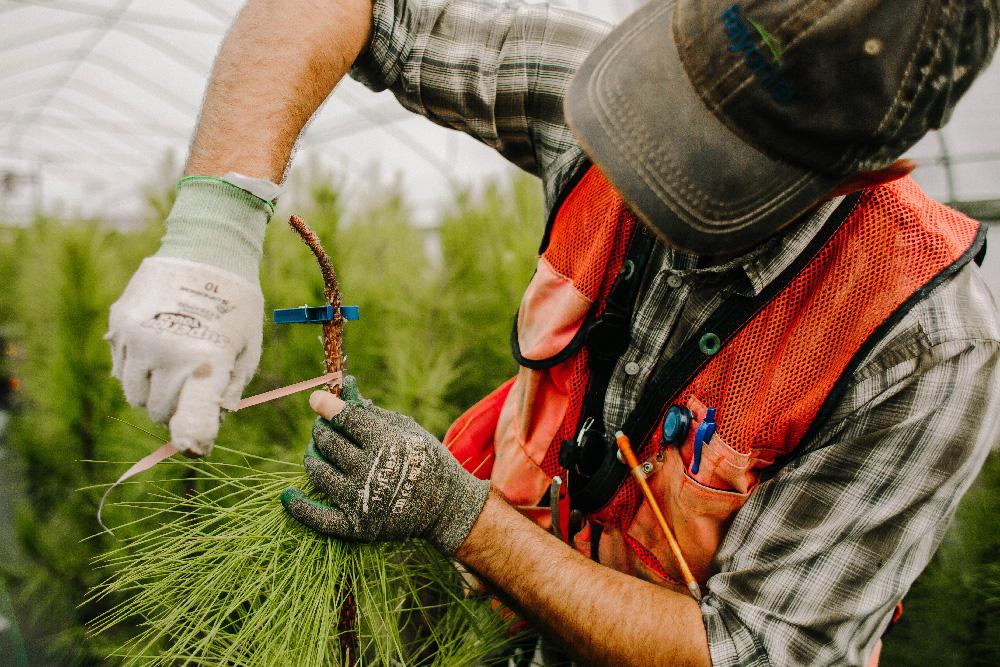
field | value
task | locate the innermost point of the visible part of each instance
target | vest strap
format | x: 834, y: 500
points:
x: 607, y: 339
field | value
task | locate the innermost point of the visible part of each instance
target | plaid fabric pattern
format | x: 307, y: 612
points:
x: 816, y: 560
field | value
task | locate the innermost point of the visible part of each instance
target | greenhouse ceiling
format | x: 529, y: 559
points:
x: 100, y: 99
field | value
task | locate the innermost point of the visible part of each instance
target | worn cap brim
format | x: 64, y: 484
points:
x: 679, y: 168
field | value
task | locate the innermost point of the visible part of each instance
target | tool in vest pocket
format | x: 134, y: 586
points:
x: 706, y: 429
x: 554, y: 496
x: 676, y: 424
x: 583, y: 454
x: 625, y: 447
x: 313, y: 314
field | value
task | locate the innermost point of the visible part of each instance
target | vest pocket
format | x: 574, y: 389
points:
x: 699, y: 516
x: 722, y: 468
x: 531, y: 415
x: 698, y: 508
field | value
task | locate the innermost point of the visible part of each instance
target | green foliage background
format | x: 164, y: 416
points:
x: 433, y: 338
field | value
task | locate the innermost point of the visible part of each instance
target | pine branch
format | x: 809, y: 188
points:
x: 333, y: 347
x: 333, y: 331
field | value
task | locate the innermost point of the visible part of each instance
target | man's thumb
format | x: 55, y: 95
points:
x: 325, y: 404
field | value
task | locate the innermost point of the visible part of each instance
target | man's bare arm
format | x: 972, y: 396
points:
x: 278, y: 63
x: 605, y: 617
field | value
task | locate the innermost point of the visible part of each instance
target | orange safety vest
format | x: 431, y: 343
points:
x: 791, y: 346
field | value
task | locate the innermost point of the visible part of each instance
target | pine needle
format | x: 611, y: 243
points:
x: 228, y: 578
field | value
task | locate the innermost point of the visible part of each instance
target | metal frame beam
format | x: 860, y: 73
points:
x: 145, y: 18
x: 110, y: 18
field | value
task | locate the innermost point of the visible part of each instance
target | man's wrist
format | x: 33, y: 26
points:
x: 260, y: 187
x: 460, y: 512
x: 482, y: 534
x: 215, y: 222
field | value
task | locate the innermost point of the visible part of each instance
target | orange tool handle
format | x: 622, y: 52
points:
x: 633, y: 464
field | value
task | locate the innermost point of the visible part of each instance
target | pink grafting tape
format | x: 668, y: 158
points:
x: 329, y: 378
x: 167, y: 450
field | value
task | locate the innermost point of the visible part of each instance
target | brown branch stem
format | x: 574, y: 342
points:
x: 333, y: 331
x: 333, y: 348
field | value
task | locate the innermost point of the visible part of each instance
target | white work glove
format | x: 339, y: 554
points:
x: 185, y: 341
x: 186, y: 333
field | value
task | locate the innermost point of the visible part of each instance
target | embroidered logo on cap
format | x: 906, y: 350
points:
x: 739, y: 30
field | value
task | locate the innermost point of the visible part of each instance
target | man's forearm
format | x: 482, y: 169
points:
x: 605, y: 617
x: 278, y: 63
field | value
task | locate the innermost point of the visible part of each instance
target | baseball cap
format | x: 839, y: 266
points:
x: 720, y: 123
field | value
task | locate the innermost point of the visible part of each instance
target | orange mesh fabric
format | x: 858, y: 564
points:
x: 590, y: 236
x: 791, y: 355
x: 770, y: 381
x: 588, y: 243
x: 576, y: 385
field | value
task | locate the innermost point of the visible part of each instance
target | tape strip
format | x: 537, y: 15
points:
x: 329, y: 378
x: 168, y: 450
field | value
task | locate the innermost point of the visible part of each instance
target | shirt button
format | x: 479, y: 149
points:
x: 631, y: 368
x: 674, y: 280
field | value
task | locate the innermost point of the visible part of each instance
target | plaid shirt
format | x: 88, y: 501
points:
x: 814, y: 563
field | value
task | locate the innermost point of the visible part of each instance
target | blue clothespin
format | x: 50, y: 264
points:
x: 706, y: 429
x: 313, y: 314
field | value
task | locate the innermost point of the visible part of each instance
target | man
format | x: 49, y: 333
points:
x: 792, y: 334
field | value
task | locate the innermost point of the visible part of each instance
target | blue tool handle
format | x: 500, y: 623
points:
x: 314, y: 314
x: 303, y: 315
x: 706, y: 429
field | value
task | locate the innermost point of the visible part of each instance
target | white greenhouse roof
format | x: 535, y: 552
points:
x: 98, y: 95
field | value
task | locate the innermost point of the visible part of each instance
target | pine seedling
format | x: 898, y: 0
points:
x: 225, y: 577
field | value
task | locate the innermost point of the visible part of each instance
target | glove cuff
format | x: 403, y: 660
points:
x: 217, y: 223
x: 459, y: 513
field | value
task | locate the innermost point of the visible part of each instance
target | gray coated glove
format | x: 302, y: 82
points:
x: 387, y: 478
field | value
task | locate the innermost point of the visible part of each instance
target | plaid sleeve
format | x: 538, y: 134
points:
x: 495, y: 70
x: 814, y: 563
